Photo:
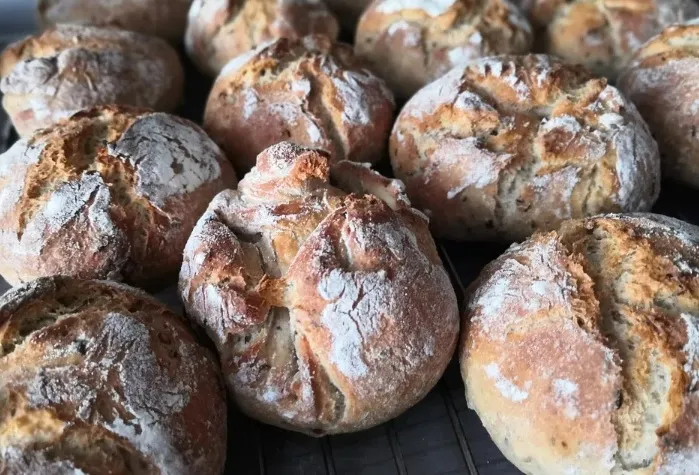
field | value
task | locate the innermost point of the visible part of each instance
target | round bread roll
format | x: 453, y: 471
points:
x: 311, y: 91
x: 164, y: 18
x: 109, y: 193
x: 411, y: 43
x: 220, y: 30
x: 70, y: 68
x: 602, y: 34
x: 348, y: 11
x: 96, y: 378
x: 331, y: 312
x: 509, y: 145
x: 662, y: 79
x: 581, y: 348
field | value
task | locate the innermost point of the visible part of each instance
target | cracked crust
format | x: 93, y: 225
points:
x: 165, y: 19
x: 412, y: 43
x: 585, y: 342
x: 220, y: 30
x: 331, y: 312
x: 70, y: 68
x: 603, y: 34
x: 96, y: 377
x: 509, y: 145
x: 108, y: 193
x: 662, y: 79
x: 312, y: 92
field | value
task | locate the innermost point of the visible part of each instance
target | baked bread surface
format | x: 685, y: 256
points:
x: 579, y: 350
x: 97, y: 378
x: 512, y: 144
x: 69, y: 68
x: 331, y: 312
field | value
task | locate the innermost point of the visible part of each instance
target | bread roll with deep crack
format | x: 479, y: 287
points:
x: 513, y: 144
x: 218, y: 31
x: 411, y: 43
x: 312, y: 92
x: 331, y: 312
x: 69, y: 68
x: 662, y: 80
x: 96, y: 378
x: 580, y: 349
x: 110, y: 193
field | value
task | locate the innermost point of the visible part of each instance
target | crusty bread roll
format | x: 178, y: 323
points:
x: 164, y: 18
x: 602, y: 34
x: 311, y: 91
x: 580, y: 349
x: 220, y: 30
x: 662, y: 79
x: 70, y: 68
x: 109, y: 193
x: 97, y: 378
x: 331, y: 312
x: 410, y: 43
x: 513, y: 144
x: 348, y: 11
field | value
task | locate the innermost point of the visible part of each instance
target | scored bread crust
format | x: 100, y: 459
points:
x: 218, y: 31
x: 603, y: 34
x: 508, y: 145
x: 166, y: 19
x: 331, y: 312
x: 69, y: 68
x: 100, y: 377
x: 662, y: 80
x: 112, y: 192
x: 310, y: 91
x: 580, y: 348
x: 411, y: 43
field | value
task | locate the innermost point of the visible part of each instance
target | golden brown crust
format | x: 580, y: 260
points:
x: 602, y: 34
x: 311, y: 91
x: 220, y: 30
x: 662, y: 79
x: 108, y: 193
x: 331, y: 312
x: 512, y: 144
x: 411, y: 43
x: 619, y: 293
x: 69, y: 68
x: 99, y: 377
x: 165, y: 19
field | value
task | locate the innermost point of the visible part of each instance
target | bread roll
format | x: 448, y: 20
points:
x: 311, y: 91
x: 662, y: 79
x: 70, y: 68
x: 220, y: 30
x: 602, y: 34
x: 100, y: 378
x: 109, y: 193
x: 509, y: 145
x: 581, y: 348
x: 331, y: 312
x: 348, y: 11
x: 164, y: 18
x: 411, y: 43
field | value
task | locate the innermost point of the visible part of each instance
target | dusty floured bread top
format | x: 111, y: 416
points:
x: 532, y: 139
x: 449, y: 32
x: 589, y: 337
x: 114, y: 171
x: 330, y: 312
x: 219, y: 28
x: 311, y: 83
x: 99, y: 377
